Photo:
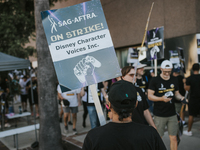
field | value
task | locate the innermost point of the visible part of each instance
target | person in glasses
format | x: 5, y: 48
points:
x: 163, y: 90
x: 122, y: 132
x: 141, y: 114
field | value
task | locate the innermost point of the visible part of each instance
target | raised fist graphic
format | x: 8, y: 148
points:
x: 86, y: 67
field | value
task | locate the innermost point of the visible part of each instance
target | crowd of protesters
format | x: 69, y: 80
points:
x: 161, y: 101
x: 17, y: 89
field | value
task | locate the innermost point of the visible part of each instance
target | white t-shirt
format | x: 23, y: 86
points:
x: 90, y: 98
x: 71, y: 96
x: 84, y: 98
x: 23, y: 87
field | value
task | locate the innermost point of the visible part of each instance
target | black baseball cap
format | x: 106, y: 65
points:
x: 123, y: 91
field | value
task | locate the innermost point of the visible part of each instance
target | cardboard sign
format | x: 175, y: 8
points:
x: 155, y: 44
x: 132, y: 55
x: 80, y: 45
x: 181, y: 58
x: 198, y: 46
x: 174, y: 57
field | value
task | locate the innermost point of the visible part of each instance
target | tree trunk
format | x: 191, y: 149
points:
x: 50, y: 133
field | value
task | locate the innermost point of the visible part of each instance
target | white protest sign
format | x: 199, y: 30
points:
x: 80, y: 45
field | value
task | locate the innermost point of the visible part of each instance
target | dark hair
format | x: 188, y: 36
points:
x: 125, y: 112
x: 195, y: 67
x: 126, y: 70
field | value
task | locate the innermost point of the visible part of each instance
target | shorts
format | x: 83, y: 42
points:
x: 178, y: 107
x: 35, y: 99
x: 73, y: 109
x: 24, y: 98
x: 171, y: 122
x: 194, y: 109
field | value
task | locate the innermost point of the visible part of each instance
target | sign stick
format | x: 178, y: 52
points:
x: 155, y: 66
x: 97, y: 104
x: 147, y: 24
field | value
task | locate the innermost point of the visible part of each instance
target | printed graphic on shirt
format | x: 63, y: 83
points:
x: 70, y: 94
x: 162, y: 89
x: 139, y: 98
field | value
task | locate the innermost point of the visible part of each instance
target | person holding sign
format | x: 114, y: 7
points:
x: 192, y: 84
x: 94, y: 120
x: 141, y: 114
x: 121, y: 132
x: 163, y: 90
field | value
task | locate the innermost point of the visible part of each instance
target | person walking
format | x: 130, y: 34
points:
x: 24, y: 93
x: 192, y: 83
x: 163, y: 90
x: 121, y: 132
x: 73, y: 98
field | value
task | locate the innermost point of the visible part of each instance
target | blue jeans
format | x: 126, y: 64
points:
x: 150, y: 105
x: 94, y: 120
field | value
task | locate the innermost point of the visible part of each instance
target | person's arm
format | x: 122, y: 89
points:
x: 186, y: 87
x: 60, y: 96
x: 149, y: 118
x: 79, y: 99
x: 82, y: 92
x: 104, y: 93
x: 178, y: 96
x: 154, y: 98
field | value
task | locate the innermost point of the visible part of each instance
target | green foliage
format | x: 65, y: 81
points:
x: 17, y: 27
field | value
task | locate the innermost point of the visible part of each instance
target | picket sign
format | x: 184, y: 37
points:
x: 97, y: 104
x: 143, y: 39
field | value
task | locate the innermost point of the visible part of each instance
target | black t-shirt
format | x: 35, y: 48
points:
x: 142, y: 83
x: 2, y: 85
x: 181, y: 87
x: 123, y: 136
x: 138, y: 113
x: 194, y: 82
x: 164, y: 87
x: 34, y: 86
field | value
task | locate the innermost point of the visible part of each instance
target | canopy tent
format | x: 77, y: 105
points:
x: 8, y: 62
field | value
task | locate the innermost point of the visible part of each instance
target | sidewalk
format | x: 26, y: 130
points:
x: 76, y: 141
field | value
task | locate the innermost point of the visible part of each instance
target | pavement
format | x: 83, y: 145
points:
x: 75, y: 142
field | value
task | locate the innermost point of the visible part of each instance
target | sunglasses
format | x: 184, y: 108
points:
x: 132, y: 75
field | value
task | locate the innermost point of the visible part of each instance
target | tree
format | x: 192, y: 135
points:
x: 50, y: 133
x: 17, y: 27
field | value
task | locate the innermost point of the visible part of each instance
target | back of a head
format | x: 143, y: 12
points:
x: 195, y: 67
x: 123, y: 97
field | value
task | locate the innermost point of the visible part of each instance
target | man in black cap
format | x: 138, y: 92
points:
x: 122, y: 133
